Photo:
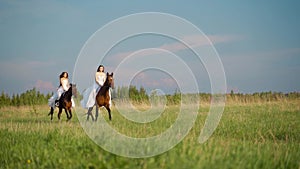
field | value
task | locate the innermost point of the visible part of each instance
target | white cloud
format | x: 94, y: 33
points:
x: 267, y: 70
x: 23, y: 69
x: 44, y: 86
x: 198, y: 41
x: 194, y: 40
x: 20, y: 76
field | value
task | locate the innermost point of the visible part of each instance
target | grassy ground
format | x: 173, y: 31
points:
x: 258, y: 135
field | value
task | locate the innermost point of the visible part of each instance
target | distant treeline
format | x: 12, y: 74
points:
x: 30, y: 97
x: 262, y: 97
x: 140, y: 96
x: 34, y: 97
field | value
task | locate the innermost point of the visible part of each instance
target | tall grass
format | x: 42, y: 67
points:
x: 249, y: 135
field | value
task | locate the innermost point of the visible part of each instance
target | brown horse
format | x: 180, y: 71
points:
x: 103, y: 97
x: 65, y: 102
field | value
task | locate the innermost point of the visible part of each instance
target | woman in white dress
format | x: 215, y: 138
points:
x: 63, y: 87
x: 89, y: 95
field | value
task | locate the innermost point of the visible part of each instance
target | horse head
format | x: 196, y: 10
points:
x: 74, y: 89
x: 110, y: 80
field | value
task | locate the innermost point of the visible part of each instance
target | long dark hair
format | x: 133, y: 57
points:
x: 61, y: 76
x: 98, y: 70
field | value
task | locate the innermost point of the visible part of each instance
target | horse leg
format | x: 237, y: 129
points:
x: 59, y: 113
x: 67, y: 113
x: 97, y: 112
x: 70, y: 112
x: 89, y: 113
x: 108, y: 109
x: 51, y: 113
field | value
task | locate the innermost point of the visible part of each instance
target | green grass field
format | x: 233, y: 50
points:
x: 256, y: 135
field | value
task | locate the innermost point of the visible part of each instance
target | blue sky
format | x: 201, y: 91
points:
x: 259, y: 41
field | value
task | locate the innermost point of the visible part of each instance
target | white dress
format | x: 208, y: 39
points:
x: 89, y: 95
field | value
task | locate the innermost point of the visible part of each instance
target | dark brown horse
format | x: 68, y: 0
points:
x: 65, y: 102
x: 103, y: 97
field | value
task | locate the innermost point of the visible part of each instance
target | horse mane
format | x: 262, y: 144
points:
x: 104, y: 88
x: 106, y: 81
x: 68, y: 94
x: 106, y: 85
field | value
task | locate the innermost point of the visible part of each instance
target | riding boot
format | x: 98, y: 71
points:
x: 56, y: 103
